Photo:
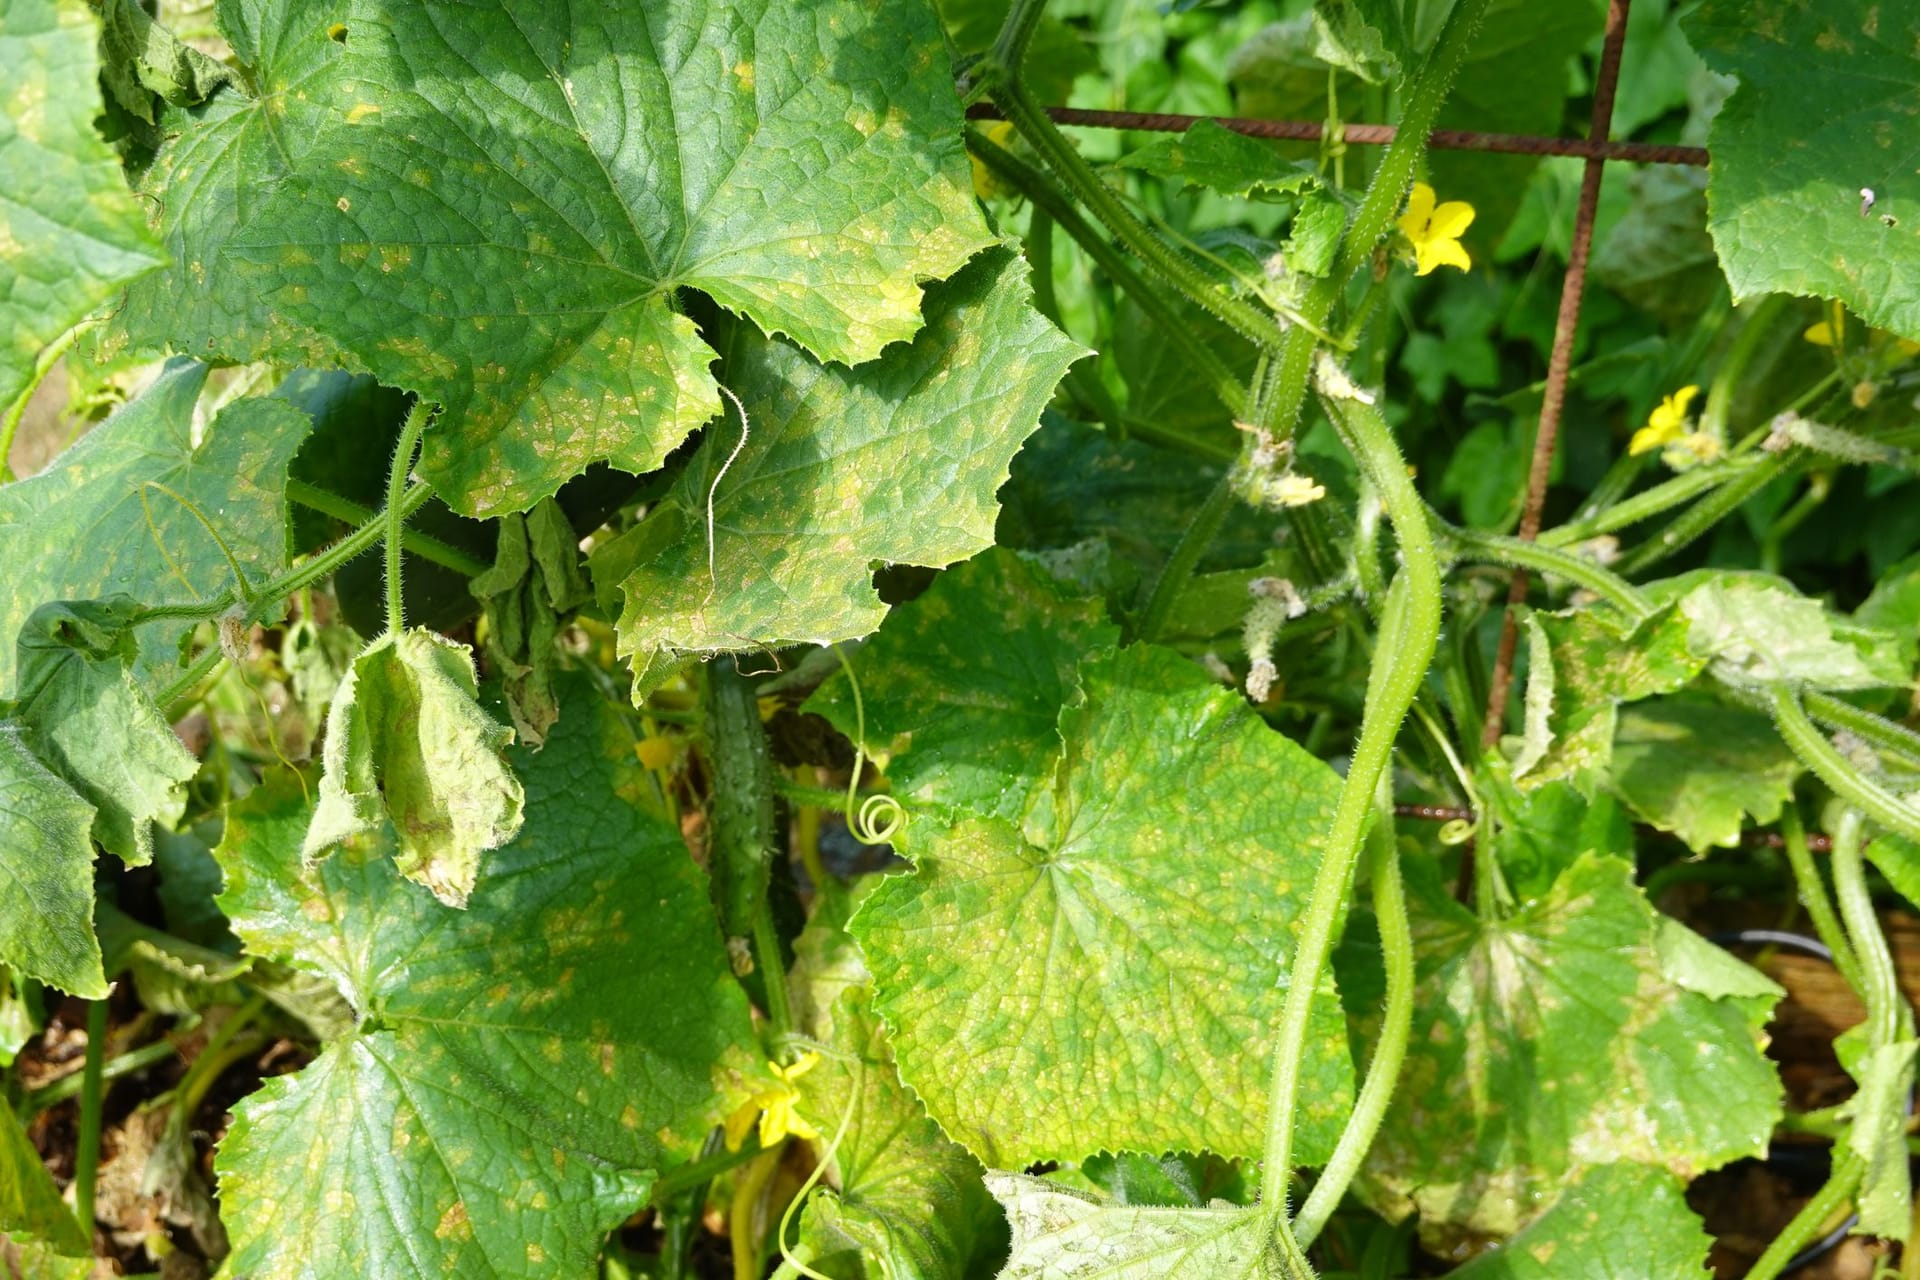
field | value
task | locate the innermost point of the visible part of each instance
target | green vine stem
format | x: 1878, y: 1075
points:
x: 1888, y: 1019
x: 1882, y: 733
x: 1824, y: 759
x: 1178, y: 568
x: 1396, y: 1025
x: 1706, y: 513
x: 1409, y: 631
x: 1493, y: 548
x: 1650, y: 502
x: 396, y: 517
x: 1814, y: 1217
x: 86, y: 1166
x: 353, y: 545
x: 1813, y: 895
x: 425, y: 546
x: 1377, y: 208
x: 1146, y: 294
x: 1066, y: 162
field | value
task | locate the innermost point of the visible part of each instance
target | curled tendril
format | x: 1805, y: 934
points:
x: 880, y: 817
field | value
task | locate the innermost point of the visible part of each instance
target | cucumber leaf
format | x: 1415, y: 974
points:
x: 1614, y: 1212
x: 494, y: 205
x: 1561, y: 1038
x: 771, y: 535
x: 1058, y: 988
x: 46, y: 866
x: 87, y: 716
x: 963, y: 686
x: 1829, y: 96
x: 409, y: 743
x: 134, y: 492
x: 520, y: 1070
x: 904, y: 1201
x: 70, y: 232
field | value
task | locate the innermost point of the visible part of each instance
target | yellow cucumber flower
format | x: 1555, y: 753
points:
x: 1831, y: 331
x: 1435, y: 230
x: 773, y: 1105
x: 655, y: 751
x: 1665, y: 424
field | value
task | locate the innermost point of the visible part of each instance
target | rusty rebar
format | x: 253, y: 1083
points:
x: 1559, y: 364
x: 1518, y: 144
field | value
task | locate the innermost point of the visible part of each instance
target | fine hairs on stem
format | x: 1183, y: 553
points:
x: 395, y: 513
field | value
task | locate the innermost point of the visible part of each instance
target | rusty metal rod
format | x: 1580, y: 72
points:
x: 1519, y: 144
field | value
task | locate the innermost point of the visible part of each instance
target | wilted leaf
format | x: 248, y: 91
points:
x: 520, y: 1070
x: 408, y: 742
x: 534, y: 581
x: 1595, y: 662
x: 1056, y: 989
x: 1878, y: 1136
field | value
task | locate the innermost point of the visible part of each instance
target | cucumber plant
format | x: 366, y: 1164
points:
x: 673, y: 631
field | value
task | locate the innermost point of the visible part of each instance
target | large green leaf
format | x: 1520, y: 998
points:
x: 905, y: 1203
x: 87, y: 716
x: 1061, y: 1234
x: 1700, y: 769
x: 46, y: 865
x: 1618, y: 1220
x: 963, y: 686
x: 122, y: 510
x: 70, y: 231
x: 409, y: 743
x: 494, y: 204
x: 1106, y: 976
x: 771, y: 538
x: 520, y: 1069
x: 1828, y: 107
x: 29, y: 1202
x: 1566, y: 1036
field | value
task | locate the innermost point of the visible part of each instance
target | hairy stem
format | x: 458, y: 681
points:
x: 1824, y: 759
x: 396, y: 518
x: 1879, y: 987
x: 1471, y: 544
x: 423, y: 545
x: 1649, y: 503
x: 1705, y: 514
x: 1813, y: 895
x: 1396, y: 1024
x: 354, y: 544
x: 1428, y: 89
x: 1409, y: 632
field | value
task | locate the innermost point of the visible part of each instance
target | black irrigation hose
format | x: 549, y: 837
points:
x: 1818, y: 950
